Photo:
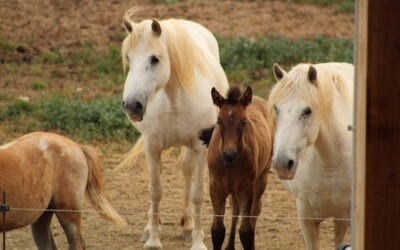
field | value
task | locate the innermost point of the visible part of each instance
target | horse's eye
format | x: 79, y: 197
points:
x: 307, y: 111
x: 154, y: 60
x: 218, y: 121
x: 243, y: 122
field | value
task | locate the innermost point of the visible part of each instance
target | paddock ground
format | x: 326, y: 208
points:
x: 71, y: 23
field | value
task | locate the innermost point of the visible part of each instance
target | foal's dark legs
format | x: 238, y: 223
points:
x: 235, y: 218
x: 41, y: 232
x: 218, y: 200
x: 246, y: 230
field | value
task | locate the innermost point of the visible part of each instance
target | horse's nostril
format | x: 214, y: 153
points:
x: 138, y: 107
x: 230, y: 156
x: 133, y: 107
x: 290, y: 164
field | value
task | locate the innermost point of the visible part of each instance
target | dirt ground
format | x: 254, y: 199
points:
x: 71, y: 23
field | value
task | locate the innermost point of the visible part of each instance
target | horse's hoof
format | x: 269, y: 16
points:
x: 198, y: 246
x: 153, y: 245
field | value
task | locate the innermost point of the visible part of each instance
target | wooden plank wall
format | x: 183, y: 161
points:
x: 382, y: 146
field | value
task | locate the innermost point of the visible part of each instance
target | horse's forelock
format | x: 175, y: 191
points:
x: 234, y: 94
x: 319, y: 97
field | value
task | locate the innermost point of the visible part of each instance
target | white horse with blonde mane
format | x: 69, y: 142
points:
x: 312, y: 153
x: 173, y: 64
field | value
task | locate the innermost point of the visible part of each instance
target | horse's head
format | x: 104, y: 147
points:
x: 144, y: 51
x: 296, y: 120
x: 231, y: 121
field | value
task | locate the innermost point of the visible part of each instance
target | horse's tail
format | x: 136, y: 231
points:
x: 94, y: 189
x: 133, y: 156
x: 205, y: 135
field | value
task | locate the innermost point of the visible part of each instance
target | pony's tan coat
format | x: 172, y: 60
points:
x: 44, y: 170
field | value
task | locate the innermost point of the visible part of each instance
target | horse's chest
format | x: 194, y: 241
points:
x: 176, y: 126
x: 327, y: 194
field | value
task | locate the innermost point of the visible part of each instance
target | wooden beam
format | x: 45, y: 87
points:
x: 358, y: 205
x: 382, y: 165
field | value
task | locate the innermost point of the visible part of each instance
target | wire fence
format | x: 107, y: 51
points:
x: 130, y: 213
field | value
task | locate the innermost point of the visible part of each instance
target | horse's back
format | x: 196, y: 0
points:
x: 345, y: 70
x: 32, y: 167
x: 262, y: 134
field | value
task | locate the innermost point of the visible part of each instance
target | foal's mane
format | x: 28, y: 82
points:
x: 185, y: 56
x: 319, y: 96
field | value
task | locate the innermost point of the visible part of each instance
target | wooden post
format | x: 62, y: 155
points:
x: 358, y: 204
x: 377, y: 214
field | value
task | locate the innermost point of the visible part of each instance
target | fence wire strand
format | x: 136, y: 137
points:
x: 141, y: 214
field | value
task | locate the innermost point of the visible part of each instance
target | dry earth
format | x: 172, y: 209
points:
x: 72, y: 23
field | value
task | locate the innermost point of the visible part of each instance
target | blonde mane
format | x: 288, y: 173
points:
x: 186, y: 58
x: 319, y: 97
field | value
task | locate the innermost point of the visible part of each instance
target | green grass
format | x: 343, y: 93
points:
x: 94, y: 120
x: 7, y: 45
x: 246, y: 60
x: 341, y: 6
x: 98, y: 118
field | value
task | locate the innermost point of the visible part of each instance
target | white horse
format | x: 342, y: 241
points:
x: 173, y: 64
x: 312, y: 152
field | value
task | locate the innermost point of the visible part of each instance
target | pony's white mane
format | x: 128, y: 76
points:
x: 319, y: 96
x: 185, y: 56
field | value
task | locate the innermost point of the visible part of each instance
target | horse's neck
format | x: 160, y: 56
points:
x: 333, y: 144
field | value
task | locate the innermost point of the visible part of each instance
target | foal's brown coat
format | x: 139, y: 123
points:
x: 239, y: 158
x: 47, y: 171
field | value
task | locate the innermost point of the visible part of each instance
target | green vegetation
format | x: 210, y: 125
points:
x: 96, y: 115
x: 246, y: 60
x: 100, y: 119
x: 167, y: 1
x: 346, y: 6
x: 7, y: 45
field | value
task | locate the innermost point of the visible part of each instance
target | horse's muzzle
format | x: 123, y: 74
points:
x: 284, y: 167
x: 134, y: 109
x: 230, y: 157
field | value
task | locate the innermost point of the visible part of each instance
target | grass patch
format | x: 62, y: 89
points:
x: 341, y: 6
x: 248, y: 60
x: 94, y: 120
x: 7, y: 45
x: 90, y: 117
x: 38, y: 85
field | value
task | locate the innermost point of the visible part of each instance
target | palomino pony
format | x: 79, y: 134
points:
x: 239, y: 155
x: 44, y: 172
x: 173, y: 64
x: 312, y: 147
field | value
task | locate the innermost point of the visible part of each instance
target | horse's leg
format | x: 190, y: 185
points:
x: 153, y: 228
x: 41, y: 232
x: 198, y: 196
x: 71, y: 223
x: 187, y: 169
x: 309, y: 227
x: 235, y: 218
x: 340, y: 231
x: 260, y: 186
x: 218, y: 200
x: 246, y: 230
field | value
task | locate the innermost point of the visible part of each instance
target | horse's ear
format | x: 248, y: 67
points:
x: 156, y: 27
x: 127, y: 25
x: 217, y: 98
x: 312, y: 75
x: 279, y: 73
x: 245, y: 99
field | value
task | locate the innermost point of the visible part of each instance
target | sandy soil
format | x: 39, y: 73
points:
x: 71, y: 23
